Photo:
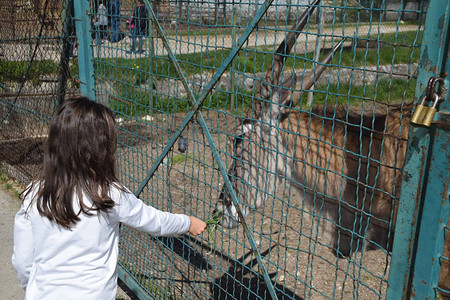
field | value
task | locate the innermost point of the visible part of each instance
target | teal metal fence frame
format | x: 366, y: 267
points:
x: 424, y: 199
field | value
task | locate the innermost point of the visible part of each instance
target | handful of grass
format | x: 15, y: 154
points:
x: 211, y: 224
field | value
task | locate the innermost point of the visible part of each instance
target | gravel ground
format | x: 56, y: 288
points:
x: 10, y: 286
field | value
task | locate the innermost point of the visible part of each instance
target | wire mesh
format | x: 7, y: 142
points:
x: 31, y: 69
x: 308, y: 182
x: 374, y: 70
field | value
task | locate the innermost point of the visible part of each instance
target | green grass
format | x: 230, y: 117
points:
x: 226, y: 29
x: 212, y: 223
x: 177, y: 159
x: 395, y: 49
x: 386, y: 91
x: 3, y: 177
x: 135, y: 101
x: 18, y: 70
x: 135, y: 95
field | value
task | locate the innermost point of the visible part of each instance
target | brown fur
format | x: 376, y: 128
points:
x: 349, y: 161
x: 351, y: 166
x: 346, y: 165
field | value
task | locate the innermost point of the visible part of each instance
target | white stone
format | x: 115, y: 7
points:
x: 147, y: 118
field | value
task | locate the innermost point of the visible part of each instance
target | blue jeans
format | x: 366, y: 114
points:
x: 99, y: 33
x: 136, y: 33
x: 114, y: 12
x: 71, y: 46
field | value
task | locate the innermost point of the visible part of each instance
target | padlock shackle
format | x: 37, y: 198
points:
x: 423, y: 115
x: 436, y: 100
x: 431, y: 87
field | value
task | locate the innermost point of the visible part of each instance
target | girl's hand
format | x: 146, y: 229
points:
x: 197, y: 226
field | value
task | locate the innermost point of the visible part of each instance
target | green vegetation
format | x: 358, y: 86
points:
x: 18, y: 70
x: 135, y: 101
x: 134, y: 73
x: 386, y: 91
x: 394, y: 48
x: 404, y: 46
x: 3, y: 177
x: 211, y: 225
x: 10, y: 185
x: 176, y: 159
x: 135, y: 93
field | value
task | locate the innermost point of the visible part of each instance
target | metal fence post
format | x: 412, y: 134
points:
x: 233, y: 88
x: 151, y: 51
x: 67, y: 15
x: 436, y: 207
x: 85, y: 54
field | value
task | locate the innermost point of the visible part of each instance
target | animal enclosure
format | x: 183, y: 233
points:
x: 284, y: 123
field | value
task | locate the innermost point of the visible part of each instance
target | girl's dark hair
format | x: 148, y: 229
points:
x: 79, y: 157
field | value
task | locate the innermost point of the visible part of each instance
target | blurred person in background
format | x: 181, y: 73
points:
x: 140, y: 23
x: 114, y: 12
x: 101, y: 24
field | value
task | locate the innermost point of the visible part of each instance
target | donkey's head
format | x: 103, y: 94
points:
x: 259, y: 153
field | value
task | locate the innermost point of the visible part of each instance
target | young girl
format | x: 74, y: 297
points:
x: 66, y: 232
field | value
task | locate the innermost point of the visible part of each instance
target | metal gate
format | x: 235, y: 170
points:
x: 424, y: 203
x: 285, y: 124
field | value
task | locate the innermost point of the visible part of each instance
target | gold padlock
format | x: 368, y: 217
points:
x: 420, y: 112
x: 431, y: 111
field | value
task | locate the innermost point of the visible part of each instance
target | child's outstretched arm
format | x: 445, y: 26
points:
x: 197, y: 226
x: 133, y: 212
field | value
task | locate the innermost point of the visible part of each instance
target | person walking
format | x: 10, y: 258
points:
x: 115, y: 14
x: 101, y: 24
x: 67, y: 230
x: 140, y: 23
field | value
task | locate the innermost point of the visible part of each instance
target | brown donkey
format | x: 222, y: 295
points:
x: 346, y: 165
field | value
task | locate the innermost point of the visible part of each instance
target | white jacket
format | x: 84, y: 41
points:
x: 55, y: 263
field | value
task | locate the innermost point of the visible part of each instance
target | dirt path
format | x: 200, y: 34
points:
x: 8, y: 281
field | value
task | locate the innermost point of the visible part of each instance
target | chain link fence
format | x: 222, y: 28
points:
x: 33, y: 76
